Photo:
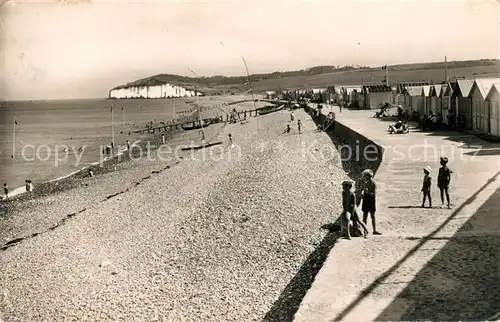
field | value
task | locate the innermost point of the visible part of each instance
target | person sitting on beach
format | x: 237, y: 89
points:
x: 288, y: 129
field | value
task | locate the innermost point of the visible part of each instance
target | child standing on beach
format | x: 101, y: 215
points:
x: 6, y: 190
x: 369, y: 202
x: 426, y: 186
x: 444, y: 178
x: 299, y: 126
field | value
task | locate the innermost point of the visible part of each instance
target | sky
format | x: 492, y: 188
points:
x: 81, y: 49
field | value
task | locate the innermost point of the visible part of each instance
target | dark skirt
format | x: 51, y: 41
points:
x: 368, y: 204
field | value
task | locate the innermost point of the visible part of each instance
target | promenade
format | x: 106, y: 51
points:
x: 429, y: 264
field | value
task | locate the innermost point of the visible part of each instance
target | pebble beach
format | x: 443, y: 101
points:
x: 196, y: 238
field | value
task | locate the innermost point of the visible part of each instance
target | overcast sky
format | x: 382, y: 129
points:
x: 56, y: 50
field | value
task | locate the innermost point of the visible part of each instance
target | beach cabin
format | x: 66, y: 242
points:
x: 480, y: 108
x: 414, y: 100
x: 493, y: 99
x: 350, y: 94
x: 426, y: 93
x: 435, y: 99
x: 270, y: 95
x: 376, y: 95
x: 460, y: 100
x: 445, y: 98
x: 401, y: 93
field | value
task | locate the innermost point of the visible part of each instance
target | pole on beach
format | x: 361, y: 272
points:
x: 199, y: 108
x: 14, y: 138
x: 123, y: 115
x: 249, y: 83
x: 112, y: 128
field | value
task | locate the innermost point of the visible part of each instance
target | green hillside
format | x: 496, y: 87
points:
x: 320, y: 76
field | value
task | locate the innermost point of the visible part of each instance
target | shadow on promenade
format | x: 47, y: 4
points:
x: 462, y: 281
x: 285, y: 307
x: 470, y: 265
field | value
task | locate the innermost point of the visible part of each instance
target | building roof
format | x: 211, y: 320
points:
x: 446, y: 90
x: 494, y: 88
x: 426, y: 90
x: 378, y: 88
x: 349, y: 89
x: 484, y: 85
x: 436, y: 91
x: 414, y: 90
x: 464, y: 87
x: 401, y: 86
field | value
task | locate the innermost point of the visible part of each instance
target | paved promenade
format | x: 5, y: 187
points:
x: 433, y: 263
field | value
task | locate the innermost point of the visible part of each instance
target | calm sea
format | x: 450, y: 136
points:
x: 45, y: 128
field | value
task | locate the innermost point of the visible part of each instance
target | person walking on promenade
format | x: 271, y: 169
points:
x: 369, y: 189
x: 299, y: 126
x: 426, y: 186
x: 6, y: 190
x: 443, y: 181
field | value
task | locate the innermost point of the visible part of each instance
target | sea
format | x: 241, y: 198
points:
x: 53, y: 138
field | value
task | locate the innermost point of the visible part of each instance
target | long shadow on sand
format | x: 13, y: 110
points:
x: 462, y: 281
x: 285, y: 307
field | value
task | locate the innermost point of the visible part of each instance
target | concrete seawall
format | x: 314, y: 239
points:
x: 357, y: 151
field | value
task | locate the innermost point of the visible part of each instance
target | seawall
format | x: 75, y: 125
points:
x: 357, y: 151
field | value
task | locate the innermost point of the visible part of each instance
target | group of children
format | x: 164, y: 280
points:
x: 443, y: 183
x: 350, y: 221
x: 299, y: 124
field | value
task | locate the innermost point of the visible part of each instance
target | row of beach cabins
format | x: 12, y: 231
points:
x: 476, y: 100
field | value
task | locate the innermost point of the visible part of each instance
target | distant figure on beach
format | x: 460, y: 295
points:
x: 231, y: 143
x: 426, y: 186
x: 128, y: 145
x: 163, y: 138
x: 288, y: 129
x: 299, y: 126
x: 245, y: 115
x: 27, y: 185
x: 292, y: 117
x: 6, y: 190
x: 369, y: 189
x: 91, y: 173
x: 444, y: 178
x: 108, y: 149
